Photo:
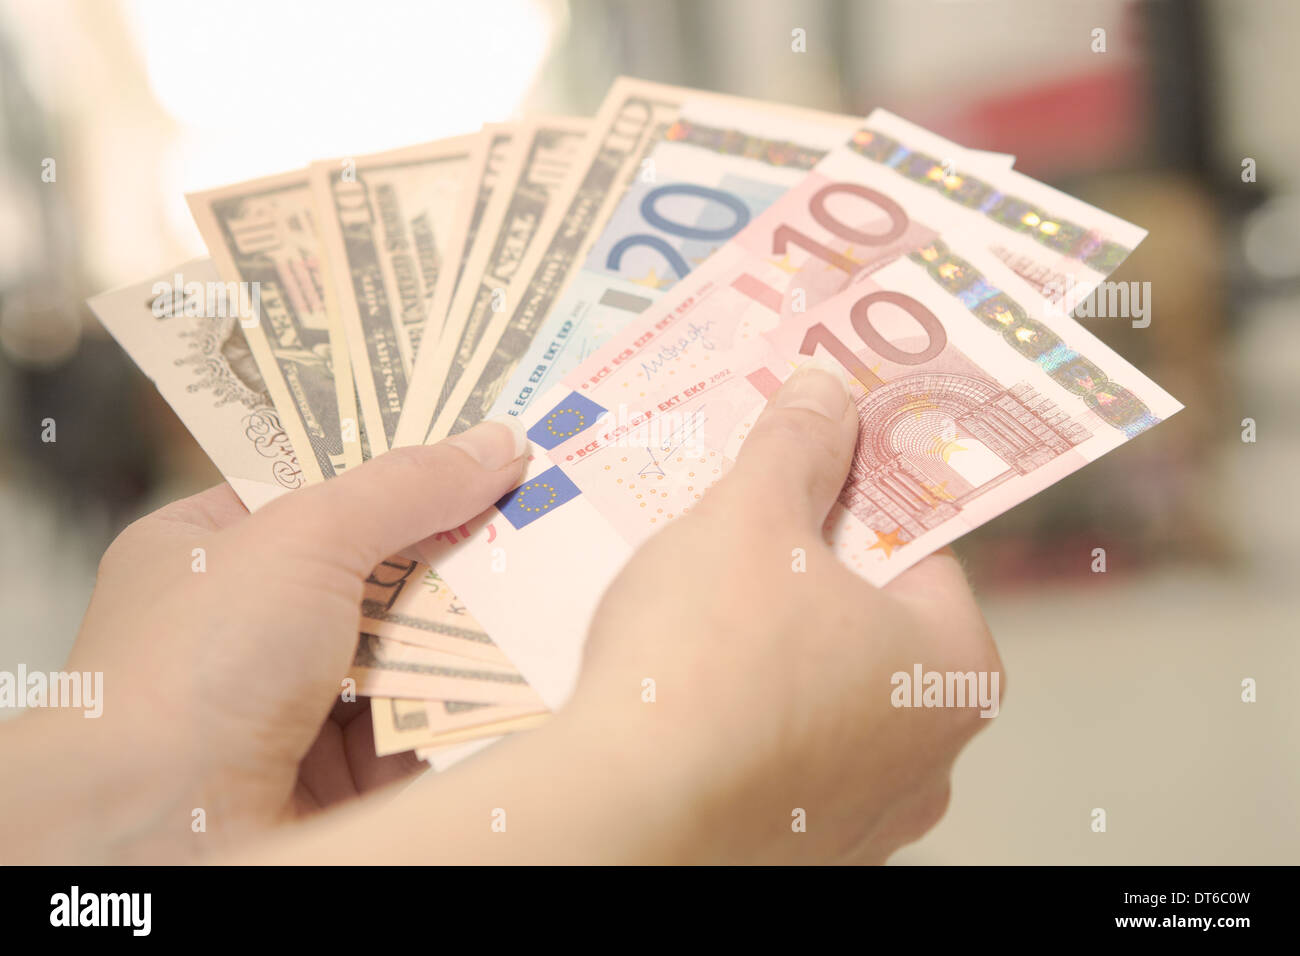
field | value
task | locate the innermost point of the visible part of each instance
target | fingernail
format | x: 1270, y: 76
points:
x: 494, y: 443
x: 820, y: 385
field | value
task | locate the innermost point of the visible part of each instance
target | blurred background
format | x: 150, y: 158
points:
x: 1124, y: 686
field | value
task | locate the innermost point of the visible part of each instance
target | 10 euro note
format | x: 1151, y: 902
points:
x: 971, y: 398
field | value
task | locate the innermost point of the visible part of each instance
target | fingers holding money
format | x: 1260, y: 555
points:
x: 398, y: 498
x: 795, y: 459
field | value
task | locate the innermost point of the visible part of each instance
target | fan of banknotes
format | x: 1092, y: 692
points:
x: 632, y: 287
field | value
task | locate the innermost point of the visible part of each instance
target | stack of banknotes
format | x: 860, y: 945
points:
x: 632, y: 287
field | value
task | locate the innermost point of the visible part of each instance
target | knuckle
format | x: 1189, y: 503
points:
x: 130, y: 537
x: 934, y: 804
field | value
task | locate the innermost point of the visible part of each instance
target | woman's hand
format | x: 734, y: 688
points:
x: 773, y: 683
x: 771, y: 663
x: 771, y: 695
x: 223, y: 639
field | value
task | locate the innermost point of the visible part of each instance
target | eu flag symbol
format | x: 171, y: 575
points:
x: 573, y: 415
x: 537, y: 496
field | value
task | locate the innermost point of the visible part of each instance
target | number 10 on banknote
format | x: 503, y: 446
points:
x: 968, y: 404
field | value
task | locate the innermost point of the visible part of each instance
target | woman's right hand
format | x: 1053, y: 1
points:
x: 773, y: 686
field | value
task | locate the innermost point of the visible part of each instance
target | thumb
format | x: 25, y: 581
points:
x: 398, y: 498
x: 797, y: 455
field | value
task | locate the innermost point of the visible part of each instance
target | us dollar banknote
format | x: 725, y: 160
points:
x: 538, y: 166
x: 387, y: 668
x: 402, y: 724
x: 196, y: 355
x: 490, y: 157
x: 407, y: 601
x: 386, y: 224
x: 176, y: 330
x: 263, y: 237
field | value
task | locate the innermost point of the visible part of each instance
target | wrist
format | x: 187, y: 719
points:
x: 663, y: 789
x: 80, y: 794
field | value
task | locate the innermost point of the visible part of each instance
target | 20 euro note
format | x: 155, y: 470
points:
x: 714, y: 167
x: 969, y: 403
x: 881, y: 194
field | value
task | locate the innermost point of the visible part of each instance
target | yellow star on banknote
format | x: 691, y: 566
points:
x: 848, y: 254
x: 784, y: 264
x: 921, y: 402
x: 652, y: 281
x: 945, y: 448
x: 888, y: 542
x: 873, y: 369
x: 939, y: 492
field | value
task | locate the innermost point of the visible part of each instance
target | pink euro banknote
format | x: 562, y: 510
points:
x: 969, y: 403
